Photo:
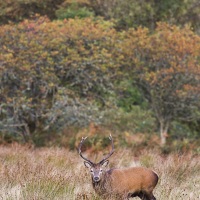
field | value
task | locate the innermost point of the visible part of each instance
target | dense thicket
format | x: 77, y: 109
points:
x: 82, y: 69
x: 17, y: 10
x: 165, y: 67
x: 51, y: 70
x: 134, y: 13
x: 125, y: 13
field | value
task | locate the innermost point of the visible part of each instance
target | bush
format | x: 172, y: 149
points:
x: 73, y: 10
x: 62, y: 73
x: 18, y: 10
x: 136, y: 121
x: 134, y: 13
x: 50, y: 70
x: 128, y: 96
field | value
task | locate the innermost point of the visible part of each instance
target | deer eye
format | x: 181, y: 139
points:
x: 101, y: 170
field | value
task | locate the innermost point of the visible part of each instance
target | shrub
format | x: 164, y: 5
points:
x: 73, y: 10
x: 50, y: 70
x: 134, y: 13
x: 165, y: 67
x: 18, y: 10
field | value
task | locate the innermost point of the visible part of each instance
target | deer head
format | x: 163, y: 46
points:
x: 96, y: 169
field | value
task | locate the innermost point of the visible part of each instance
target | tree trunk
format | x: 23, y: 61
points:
x: 164, y: 126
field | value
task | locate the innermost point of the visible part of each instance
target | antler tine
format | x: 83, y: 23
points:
x: 111, y: 152
x: 79, y: 150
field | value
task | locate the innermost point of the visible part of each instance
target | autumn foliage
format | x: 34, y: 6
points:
x: 166, y: 68
x: 50, y: 66
x: 56, y: 72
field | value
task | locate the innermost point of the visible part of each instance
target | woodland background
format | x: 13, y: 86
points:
x: 93, y: 67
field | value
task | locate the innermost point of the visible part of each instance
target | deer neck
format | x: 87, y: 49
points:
x: 103, y: 186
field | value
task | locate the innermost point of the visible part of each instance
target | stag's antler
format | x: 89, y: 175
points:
x: 80, y: 153
x: 111, y: 152
x: 105, y: 158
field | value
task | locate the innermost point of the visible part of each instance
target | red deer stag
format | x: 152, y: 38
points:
x: 120, y: 183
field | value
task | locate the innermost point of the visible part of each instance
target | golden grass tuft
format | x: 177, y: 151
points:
x: 58, y: 174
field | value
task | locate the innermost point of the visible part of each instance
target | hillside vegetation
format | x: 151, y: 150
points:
x: 129, y: 67
x: 53, y: 173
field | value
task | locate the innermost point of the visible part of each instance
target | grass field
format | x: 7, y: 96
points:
x: 53, y: 173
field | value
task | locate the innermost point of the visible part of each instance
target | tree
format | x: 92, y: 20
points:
x: 18, y: 10
x: 134, y: 13
x: 165, y: 66
x: 52, y: 70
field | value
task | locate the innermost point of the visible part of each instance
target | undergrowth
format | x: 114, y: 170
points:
x: 56, y: 173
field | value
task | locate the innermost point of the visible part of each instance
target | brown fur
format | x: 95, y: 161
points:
x: 126, y: 183
x: 122, y: 183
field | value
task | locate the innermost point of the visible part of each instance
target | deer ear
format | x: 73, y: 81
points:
x: 87, y: 164
x: 105, y: 163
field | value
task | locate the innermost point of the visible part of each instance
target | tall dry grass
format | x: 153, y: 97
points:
x: 54, y: 173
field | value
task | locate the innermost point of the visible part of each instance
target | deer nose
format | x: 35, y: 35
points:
x: 96, y: 178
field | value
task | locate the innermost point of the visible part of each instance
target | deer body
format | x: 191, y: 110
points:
x: 121, y: 183
x: 125, y: 183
